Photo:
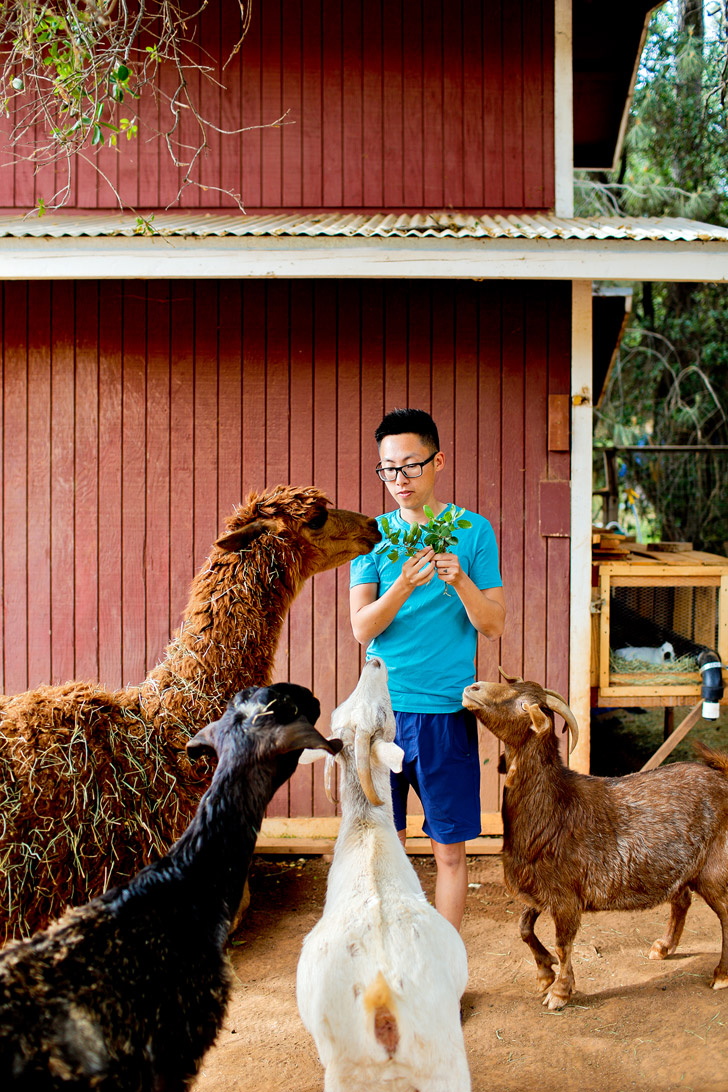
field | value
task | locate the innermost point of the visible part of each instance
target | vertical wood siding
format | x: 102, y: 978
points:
x: 135, y: 416
x: 408, y: 104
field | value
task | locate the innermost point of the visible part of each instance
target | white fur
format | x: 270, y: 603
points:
x: 377, y: 921
x: 649, y: 655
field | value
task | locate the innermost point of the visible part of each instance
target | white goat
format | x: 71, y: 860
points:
x: 381, y: 975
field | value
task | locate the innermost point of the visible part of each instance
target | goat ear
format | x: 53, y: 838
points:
x: 389, y: 754
x: 241, y: 536
x: 202, y: 743
x: 539, y: 721
x: 300, y: 735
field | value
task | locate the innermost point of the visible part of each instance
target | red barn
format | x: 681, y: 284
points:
x: 408, y: 238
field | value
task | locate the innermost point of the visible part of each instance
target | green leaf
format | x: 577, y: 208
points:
x: 446, y: 516
x: 385, y: 525
x: 428, y: 511
x: 98, y: 136
x: 430, y: 540
x: 393, y: 555
x: 464, y: 523
x: 122, y: 72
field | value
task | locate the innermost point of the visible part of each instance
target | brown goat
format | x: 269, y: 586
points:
x: 94, y: 783
x: 575, y: 843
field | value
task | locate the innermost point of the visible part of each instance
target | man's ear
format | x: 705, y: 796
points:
x: 439, y: 461
x: 233, y: 541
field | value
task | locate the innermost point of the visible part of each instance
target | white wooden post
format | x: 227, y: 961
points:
x: 563, y: 110
x: 581, y: 511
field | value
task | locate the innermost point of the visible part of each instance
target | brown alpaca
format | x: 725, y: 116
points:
x: 95, y: 782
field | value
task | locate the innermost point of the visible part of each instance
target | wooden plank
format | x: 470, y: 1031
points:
x: 433, y: 149
x: 16, y: 518
x: 723, y: 619
x: 395, y: 346
x: 493, y: 172
x: 419, y: 347
x: 229, y: 403
x: 416, y: 847
x: 254, y: 364
x: 443, y: 380
x: 181, y: 452
x: 210, y: 49
x: 158, y: 623
x: 533, y: 108
x: 331, y: 108
x: 674, y: 738
x: 512, y: 478
x: 324, y: 469
x: 348, y: 448
x: 466, y: 396
x: 473, y: 151
x: 558, y: 297
x: 392, y: 108
x: 231, y: 116
x: 205, y: 419
x: 452, y: 104
x: 311, y: 136
x: 252, y: 111
x: 62, y: 481
x: 39, y: 482
x: 301, y: 618
x: 372, y: 108
x: 354, y: 149
x: 412, y: 91
x: 371, y: 394
x: 536, y: 464
x: 86, y: 497
x: 547, y: 106
x: 513, y: 135
x: 110, y: 509
x: 291, y: 132
x: 489, y: 460
x: 606, y: 693
x: 134, y: 483
x: 271, y: 105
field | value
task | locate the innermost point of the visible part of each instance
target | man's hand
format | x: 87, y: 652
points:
x: 448, y: 568
x: 419, y: 569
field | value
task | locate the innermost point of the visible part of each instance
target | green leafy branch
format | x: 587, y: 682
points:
x: 438, y: 532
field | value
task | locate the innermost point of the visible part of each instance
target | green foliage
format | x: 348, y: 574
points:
x: 669, y: 383
x: 438, y: 532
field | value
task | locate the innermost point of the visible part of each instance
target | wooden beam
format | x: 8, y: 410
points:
x: 416, y: 847
x: 674, y: 738
x: 581, y: 517
x: 463, y: 259
x: 563, y: 109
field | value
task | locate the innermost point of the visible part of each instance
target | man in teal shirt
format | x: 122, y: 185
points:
x: 428, y: 641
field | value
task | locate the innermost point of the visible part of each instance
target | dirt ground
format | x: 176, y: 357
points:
x: 634, y: 1023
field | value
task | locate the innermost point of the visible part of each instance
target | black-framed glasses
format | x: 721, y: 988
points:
x: 412, y: 470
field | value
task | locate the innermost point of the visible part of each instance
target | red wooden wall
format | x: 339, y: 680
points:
x: 402, y: 104
x: 135, y: 415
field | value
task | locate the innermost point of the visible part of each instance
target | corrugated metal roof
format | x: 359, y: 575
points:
x: 390, y: 225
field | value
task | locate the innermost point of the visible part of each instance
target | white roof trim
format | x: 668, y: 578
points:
x: 157, y: 257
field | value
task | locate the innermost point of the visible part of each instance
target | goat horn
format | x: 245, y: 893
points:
x: 329, y: 780
x: 558, y: 705
x: 362, y: 746
x: 510, y: 678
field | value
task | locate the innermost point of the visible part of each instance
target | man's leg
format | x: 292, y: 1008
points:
x: 451, y: 888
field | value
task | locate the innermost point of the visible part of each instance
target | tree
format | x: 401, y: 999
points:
x: 71, y: 71
x: 669, y: 385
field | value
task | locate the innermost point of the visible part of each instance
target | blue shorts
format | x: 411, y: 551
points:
x: 441, y: 763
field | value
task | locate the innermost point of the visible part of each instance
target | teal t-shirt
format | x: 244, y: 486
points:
x: 429, y: 647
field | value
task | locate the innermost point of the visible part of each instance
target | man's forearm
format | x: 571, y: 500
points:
x: 373, y: 618
x: 486, y: 615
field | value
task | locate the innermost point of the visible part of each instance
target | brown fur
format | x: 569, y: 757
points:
x: 574, y: 842
x: 93, y: 783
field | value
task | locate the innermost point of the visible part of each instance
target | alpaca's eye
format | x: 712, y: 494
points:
x: 318, y: 520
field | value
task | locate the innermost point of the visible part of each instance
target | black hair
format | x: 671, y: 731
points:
x: 416, y: 421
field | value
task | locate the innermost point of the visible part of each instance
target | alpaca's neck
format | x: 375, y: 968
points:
x: 227, y: 639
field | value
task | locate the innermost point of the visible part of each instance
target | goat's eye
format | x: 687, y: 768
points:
x: 318, y: 520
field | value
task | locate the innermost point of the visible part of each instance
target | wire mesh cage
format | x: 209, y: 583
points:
x: 653, y: 624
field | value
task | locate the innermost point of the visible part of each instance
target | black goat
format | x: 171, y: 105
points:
x: 129, y: 991
x: 572, y: 842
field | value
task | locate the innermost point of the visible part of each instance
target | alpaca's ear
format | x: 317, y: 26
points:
x: 241, y: 536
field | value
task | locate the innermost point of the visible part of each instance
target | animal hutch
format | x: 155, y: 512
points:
x: 654, y: 611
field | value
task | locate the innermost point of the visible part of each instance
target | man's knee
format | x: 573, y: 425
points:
x: 451, y: 857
